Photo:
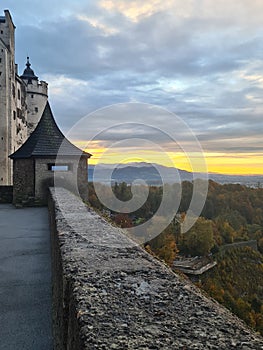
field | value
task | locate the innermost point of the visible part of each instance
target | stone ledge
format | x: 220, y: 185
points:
x: 110, y: 294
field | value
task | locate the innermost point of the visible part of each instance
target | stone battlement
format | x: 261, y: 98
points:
x: 38, y: 87
x: 110, y: 294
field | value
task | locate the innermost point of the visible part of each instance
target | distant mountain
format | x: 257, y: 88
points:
x: 154, y: 173
x: 150, y: 173
x: 247, y: 180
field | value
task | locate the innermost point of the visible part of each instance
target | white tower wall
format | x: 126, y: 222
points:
x: 22, y: 100
x: 37, y: 95
x: 4, y: 107
x: 7, y: 97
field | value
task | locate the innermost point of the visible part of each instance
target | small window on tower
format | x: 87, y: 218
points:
x: 2, y: 32
x: 32, y: 96
x: 36, y: 109
x: 59, y: 167
x: 18, y: 94
x: 14, y: 115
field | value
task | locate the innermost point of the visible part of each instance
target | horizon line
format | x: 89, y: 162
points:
x: 189, y: 171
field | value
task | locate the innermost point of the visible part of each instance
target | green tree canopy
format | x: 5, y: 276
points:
x: 199, y: 240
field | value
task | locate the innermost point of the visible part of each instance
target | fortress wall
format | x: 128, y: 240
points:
x: 6, y: 194
x: 110, y: 294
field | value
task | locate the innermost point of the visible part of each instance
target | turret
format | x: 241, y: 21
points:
x: 36, y: 96
x: 28, y: 75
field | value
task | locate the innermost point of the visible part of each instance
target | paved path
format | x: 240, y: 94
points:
x: 25, y: 279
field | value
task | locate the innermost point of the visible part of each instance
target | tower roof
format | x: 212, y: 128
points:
x: 47, y: 141
x: 28, y: 72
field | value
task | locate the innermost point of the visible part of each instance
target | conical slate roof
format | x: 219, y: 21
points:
x: 47, y: 140
x: 28, y: 72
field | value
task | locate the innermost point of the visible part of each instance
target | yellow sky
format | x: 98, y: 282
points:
x: 224, y: 163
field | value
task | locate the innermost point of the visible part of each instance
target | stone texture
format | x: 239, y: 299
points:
x: 24, y: 180
x: 32, y: 178
x: 110, y: 294
x: 6, y: 194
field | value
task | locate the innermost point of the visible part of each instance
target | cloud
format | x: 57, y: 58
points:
x: 199, y: 59
x: 135, y: 9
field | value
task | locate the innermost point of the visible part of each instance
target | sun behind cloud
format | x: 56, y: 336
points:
x: 136, y: 9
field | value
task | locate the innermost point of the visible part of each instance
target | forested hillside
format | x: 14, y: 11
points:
x: 237, y: 282
x: 232, y: 213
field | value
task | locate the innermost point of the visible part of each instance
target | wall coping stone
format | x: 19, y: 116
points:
x: 110, y: 294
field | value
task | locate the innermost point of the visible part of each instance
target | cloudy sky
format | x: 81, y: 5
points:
x: 199, y: 59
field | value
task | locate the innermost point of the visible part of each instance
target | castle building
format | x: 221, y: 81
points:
x: 48, y: 159
x: 22, y: 100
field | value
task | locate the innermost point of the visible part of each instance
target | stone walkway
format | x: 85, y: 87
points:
x: 25, y: 279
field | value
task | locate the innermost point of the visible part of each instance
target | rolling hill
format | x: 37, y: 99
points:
x: 153, y: 174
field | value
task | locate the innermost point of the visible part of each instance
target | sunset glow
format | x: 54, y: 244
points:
x: 199, y: 60
x: 231, y: 164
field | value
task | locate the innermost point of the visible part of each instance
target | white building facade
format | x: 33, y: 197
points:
x: 22, y: 100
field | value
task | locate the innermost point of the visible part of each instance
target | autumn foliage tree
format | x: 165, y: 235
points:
x: 199, y: 240
x: 123, y: 220
x: 164, y: 243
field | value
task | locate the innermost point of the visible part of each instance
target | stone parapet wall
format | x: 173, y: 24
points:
x: 109, y: 293
x: 6, y: 194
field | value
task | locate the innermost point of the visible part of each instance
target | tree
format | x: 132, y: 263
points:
x: 164, y: 244
x: 228, y: 232
x: 260, y: 245
x: 123, y: 220
x: 199, y: 239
